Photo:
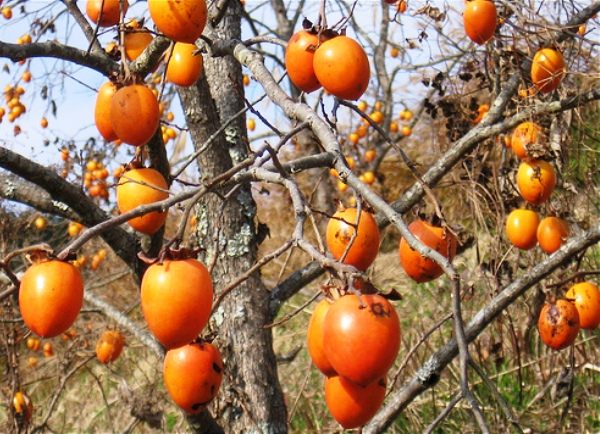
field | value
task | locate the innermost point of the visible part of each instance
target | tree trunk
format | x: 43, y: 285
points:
x: 250, y: 399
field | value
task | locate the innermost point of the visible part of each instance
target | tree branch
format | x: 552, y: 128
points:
x: 16, y: 189
x: 98, y: 62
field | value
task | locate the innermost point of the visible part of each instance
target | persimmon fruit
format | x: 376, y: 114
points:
x: 558, y: 324
x: 352, y: 406
x: 138, y: 187
x: 176, y: 298
x: 521, y: 228
x: 547, y: 69
x: 105, y: 13
x: 525, y: 135
x: 314, y: 338
x: 102, y: 111
x: 180, y: 20
x: 370, y: 155
x: 184, y: 68
x: 479, y: 19
x: 536, y: 181
x: 361, y: 337
x: 299, y: 56
x: 22, y: 407
x: 418, y: 267
x: 552, y: 233
x: 50, y: 297
x: 135, y: 43
x: 7, y: 12
x: 586, y: 297
x: 193, y: 374
x: 369, y: 177
x: 34, y: 344
x: 365, y: 245
x: 342, y: 67
x: 110, y: 346
x: 134, y: 114
x: 40, y: 223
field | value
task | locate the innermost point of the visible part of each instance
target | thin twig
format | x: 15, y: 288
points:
x: 294, y: 312
x: 463, y: 354
x: 415, y: 347
x: 455, y: 400
x: 58, y: 392
x: 501, y: 401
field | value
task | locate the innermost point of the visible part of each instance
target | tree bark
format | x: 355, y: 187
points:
x: 251, y: 399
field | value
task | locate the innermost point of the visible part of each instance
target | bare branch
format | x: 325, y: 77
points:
x: 50, y: 49
x: 17, y: 189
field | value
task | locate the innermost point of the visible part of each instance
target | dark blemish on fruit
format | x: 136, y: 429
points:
x: 378, y: 310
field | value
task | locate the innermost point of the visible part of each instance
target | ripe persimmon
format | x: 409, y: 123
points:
x: 135, y: 43
x: 184, y: 68
x: 406, y: 115
x: 134, y: 114
x: 377, y: 117
x: 40, y: 223
x: 521, y: 228
x: 32, y: 362
x: 34, y: 344
x: 525, y: 135
x: 547, y: 69
x: 419, y: 268
x: 368, y: 177
x: 7, y: 12
x: 141, y: 187
x: 74, y: 228
x: 193, y: 375
x: 107, y: 11
x: 558, y: 324
x: 180, y: 20
x: 50, y: 297
x: 361, y: 337
x: 314, y: 338
x: 365, y: 245
x: 342, y: 67
x: 22, y: 407
x: 370, y: 155
x: 299, y: 56
x: 48, y: 349
x: 552, y: 232
x: 536, y: 181
x: 176, y: 298
x: 102, y: 111
x: 586, y: 297
x: 350, y: 405
x: 480, y: 20
x: 109, y: 347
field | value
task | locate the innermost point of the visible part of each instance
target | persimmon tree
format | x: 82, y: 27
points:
x: 422, y: 133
